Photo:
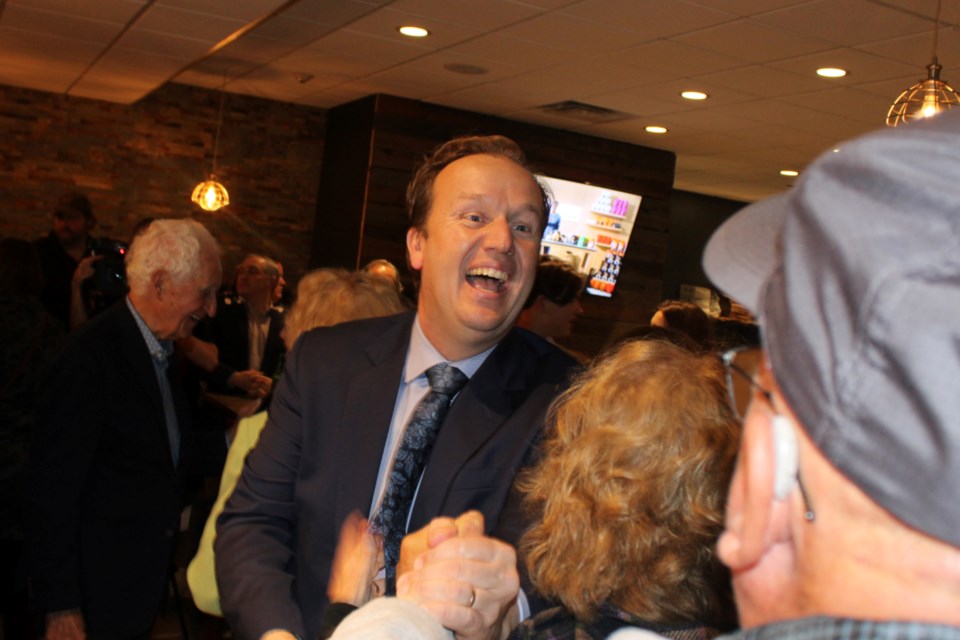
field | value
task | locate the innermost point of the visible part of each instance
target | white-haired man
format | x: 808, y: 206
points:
x: 113, y: 444
x: 843, y: 518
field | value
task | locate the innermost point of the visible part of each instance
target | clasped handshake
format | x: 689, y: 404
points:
x: 467, y: 581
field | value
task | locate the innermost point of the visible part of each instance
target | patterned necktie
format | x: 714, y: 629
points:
x: 411, y: 458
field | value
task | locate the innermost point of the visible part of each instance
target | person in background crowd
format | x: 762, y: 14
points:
x: 280, y: 294
x: 65, y: 257
x: 554, y: 302
x: 686, y: 317
x: 113, y: 444
x: 325, y: 297
x: 629, y: 495
x: 348, y: 393
x: 31, y: 338
x: 842, y: 520
x: 246, y: 332
x: 384, y: 269
x: 653, y: 332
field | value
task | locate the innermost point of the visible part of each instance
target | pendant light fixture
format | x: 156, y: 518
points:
x: 210, y: 194
x: 928, y: 97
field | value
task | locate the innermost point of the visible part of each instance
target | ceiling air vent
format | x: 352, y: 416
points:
x: 584, y: 112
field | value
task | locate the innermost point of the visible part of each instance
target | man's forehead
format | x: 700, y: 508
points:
x: 69, y: 215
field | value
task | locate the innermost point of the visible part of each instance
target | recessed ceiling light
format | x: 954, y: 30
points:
x: 831, y: 72
x: 693, y: 95
x: 655, y: 129
x: 413, y: 32
x: 790, y: 173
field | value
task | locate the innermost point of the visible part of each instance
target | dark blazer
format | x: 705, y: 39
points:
x: 106, y: 496
x: 230, y: 331
x: 319, y: 455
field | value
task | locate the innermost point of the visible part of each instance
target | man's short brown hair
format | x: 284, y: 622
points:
x: 420, y: 189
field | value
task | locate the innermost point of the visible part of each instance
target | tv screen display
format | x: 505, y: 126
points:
x: 589, y: 227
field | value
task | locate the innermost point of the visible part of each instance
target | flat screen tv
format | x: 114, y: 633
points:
x: 589, y: 227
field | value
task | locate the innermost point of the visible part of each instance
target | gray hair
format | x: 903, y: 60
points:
x: 176, y: 246
x: 270, y: 267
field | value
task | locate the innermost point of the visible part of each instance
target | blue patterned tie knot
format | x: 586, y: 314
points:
x: 418, y: 438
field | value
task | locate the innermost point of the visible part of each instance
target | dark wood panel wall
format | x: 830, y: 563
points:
x: 373, y: 144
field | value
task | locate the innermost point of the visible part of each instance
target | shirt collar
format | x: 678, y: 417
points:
x: 422, y: 355
x: 159, y: 350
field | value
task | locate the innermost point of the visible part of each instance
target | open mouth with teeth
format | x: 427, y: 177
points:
x: 487, y: 279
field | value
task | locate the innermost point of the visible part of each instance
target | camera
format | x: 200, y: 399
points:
x: 109, y: 279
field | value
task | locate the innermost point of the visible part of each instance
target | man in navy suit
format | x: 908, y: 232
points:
x: 477, y: 215
x: 113, y: 444
x: 246, y: 332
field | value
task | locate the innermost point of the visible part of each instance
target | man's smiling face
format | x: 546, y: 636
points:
x: 477, y: 252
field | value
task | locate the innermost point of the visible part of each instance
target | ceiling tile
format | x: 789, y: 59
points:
x: 650, y: 19
x: 116, y: 11
x: 676, y: 59
x: 59, y: 25
x: 861, y: 66
x: 241, y: 10
x: 764, y: 81
x: 513, y: 50
x: 187, y: 24
x: 486, y: 15
x: 567, y: 32
x: 384, y: 24
x: 846, y: 21
x: 752, y: 41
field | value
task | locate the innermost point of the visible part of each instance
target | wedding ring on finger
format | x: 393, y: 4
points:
x: 473, y: 597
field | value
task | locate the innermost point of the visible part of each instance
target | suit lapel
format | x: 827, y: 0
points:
x: 138, y: 357
x: 476, y: 415
x: 274, y: 345
x: 370, y: 398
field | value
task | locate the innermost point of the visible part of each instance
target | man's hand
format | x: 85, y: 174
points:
x: 251, y: 382
x: 355, y: 562
x: 468, y: 581
x: 65, y: 625
x: 83, y: 271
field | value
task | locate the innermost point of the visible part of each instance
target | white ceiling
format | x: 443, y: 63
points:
x: 756, y: 58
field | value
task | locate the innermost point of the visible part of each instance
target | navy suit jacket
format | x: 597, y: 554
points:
x: 319, y: 455
x: 230, y: 331
x: 106, y: 496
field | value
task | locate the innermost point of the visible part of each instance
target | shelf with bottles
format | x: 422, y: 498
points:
x: 610, y: 206
x: 610, y: 215
x: 606, y: 227
x: 591, y: 247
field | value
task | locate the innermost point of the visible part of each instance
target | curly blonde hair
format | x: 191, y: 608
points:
x: 327, y: 297
x: 629, y: 494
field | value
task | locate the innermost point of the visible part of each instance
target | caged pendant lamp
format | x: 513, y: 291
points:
x: 210, y: 194
x: 928, y: 97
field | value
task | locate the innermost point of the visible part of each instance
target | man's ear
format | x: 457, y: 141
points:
x: 158, y: 281
x: 750, y: 521
x: 415, y: 248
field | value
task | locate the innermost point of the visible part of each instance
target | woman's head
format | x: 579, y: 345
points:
x: 327, y: 297
x: 630, y: 492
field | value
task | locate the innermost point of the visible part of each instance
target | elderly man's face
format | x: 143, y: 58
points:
x: 477, y: 253
x: 183, y: 304
x: 253, y: 280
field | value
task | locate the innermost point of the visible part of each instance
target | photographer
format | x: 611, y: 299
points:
x: 81, y: 275
x: 99, y: 279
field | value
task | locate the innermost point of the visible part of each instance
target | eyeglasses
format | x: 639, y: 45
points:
x: 741, y: 366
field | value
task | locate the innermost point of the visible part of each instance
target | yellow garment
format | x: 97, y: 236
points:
x: 200, y: 574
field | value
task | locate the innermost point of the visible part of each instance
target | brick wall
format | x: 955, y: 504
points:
x: 144, y: 159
